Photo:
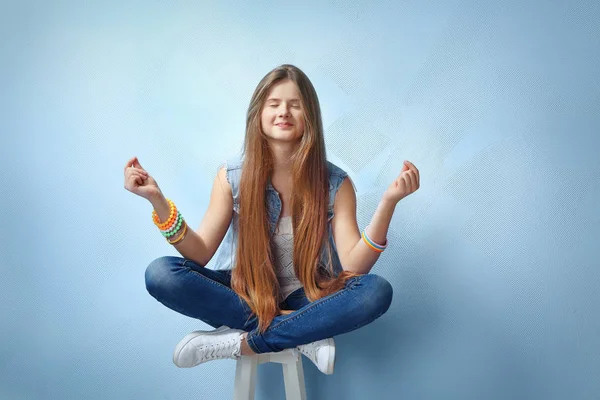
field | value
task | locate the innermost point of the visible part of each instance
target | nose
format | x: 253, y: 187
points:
x: 283, y: 111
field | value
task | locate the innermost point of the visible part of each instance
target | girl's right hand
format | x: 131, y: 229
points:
x: 139, y: 181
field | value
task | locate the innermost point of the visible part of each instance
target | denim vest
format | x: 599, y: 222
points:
x: 227, y: 249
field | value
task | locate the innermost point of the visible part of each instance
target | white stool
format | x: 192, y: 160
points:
x: 293, y: 374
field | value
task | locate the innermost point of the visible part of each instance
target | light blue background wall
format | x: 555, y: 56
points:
x: 494, y: 260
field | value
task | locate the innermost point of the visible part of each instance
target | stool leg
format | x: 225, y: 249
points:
x: 245, y: 378
x: 293, y: 377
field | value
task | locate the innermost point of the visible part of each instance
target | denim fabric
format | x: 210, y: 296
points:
x: 205, y: 294
x: 225, y: 257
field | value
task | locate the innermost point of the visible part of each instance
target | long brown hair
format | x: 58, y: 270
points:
x: 253, y: 275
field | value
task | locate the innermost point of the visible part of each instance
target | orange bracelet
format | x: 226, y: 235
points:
x: 170, y: 221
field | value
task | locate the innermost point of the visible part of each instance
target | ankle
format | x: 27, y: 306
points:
x: 245, y: 348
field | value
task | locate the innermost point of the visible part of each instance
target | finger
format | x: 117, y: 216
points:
x: 136, y: 178
x: 412, y: 166
x: 133, y: 181
x: 141, y: 171
x: 136, y: 163
x: 140, y: 174
x: 413, y: 180
x: 416, y: 171
x: 406, y: 177
x: 407, y: 183
x: 132, y: 170
x: 129, y: 162
x: 417, y: 175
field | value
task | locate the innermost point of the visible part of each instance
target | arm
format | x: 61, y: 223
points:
x: 355, y: 255
x: 200, y: 245
x: 192, y: 246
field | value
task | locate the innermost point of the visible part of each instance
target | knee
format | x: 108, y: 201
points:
x: 380, y: 293
x: 158, y: 274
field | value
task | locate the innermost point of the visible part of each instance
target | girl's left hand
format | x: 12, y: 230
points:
x: 406, y: 183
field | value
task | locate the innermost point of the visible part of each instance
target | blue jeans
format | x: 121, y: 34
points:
x: 205, y: 294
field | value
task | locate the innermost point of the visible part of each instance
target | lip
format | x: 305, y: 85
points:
x: 284, y: 125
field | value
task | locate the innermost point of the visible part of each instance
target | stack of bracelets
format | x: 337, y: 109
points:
x: 172, y: 225
x: 375, y: 246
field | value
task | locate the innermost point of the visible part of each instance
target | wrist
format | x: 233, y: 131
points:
x: 387, y: 204
x: 157, y: 198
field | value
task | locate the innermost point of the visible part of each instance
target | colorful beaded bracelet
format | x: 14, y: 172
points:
x: 170, y: 221
x: 172, y: 225
x: 181, y: 237
x: 171, y: 231
x: 375, y: 246
x: 166, y: 225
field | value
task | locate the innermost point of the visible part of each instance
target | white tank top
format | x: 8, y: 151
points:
x: 283, y: 241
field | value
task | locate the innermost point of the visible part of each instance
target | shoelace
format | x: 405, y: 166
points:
x: 221, y: 349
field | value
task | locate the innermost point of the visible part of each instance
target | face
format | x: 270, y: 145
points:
x: 282, y: 116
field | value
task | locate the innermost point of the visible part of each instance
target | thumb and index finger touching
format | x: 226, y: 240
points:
x: 133, y: 162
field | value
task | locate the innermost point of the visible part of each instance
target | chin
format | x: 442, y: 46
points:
x: 286, y: 138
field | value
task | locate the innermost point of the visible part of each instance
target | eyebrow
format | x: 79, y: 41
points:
x: 276, y: 99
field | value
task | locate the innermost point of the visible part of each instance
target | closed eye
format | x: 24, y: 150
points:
x: 277, y: 105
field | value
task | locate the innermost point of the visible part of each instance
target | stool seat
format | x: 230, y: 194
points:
x: 293, y: 375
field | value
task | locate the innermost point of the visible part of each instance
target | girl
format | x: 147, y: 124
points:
x: 293, y: 269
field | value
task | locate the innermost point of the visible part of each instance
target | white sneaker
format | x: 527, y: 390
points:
x: 201, y: 346
x: 321, y: 353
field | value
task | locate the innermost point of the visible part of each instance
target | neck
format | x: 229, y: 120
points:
x: 282, y: 154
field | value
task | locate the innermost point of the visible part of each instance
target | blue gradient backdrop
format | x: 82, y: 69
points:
x: 494, y: 260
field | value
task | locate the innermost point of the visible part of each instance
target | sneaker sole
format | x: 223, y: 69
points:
x: 331, y: 358
x: 186, y: 339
